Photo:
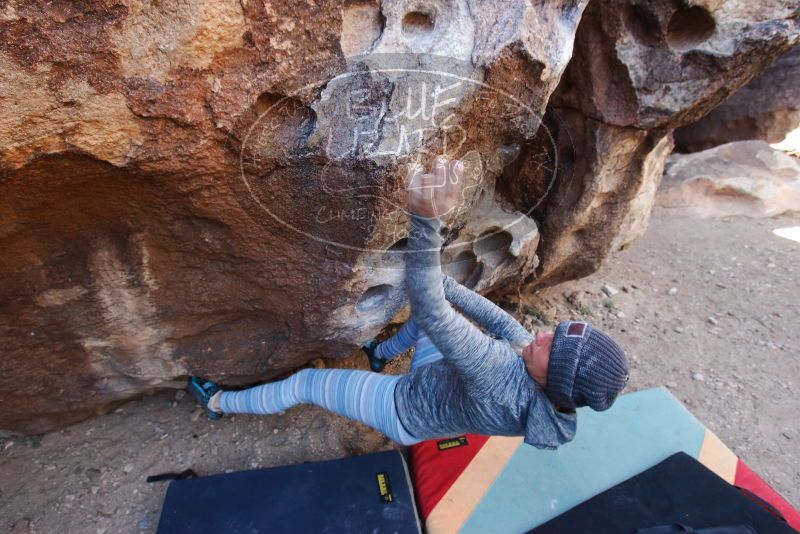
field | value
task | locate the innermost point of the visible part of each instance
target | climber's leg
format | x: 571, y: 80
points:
x: 425, y: 352
x: 403, y: 340
x: 380, y: 353
x: 359, y: 395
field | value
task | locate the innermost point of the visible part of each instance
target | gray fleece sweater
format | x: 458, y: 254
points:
x: 481, y: 385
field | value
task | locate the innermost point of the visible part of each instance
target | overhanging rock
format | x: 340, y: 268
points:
x: 216, y: 188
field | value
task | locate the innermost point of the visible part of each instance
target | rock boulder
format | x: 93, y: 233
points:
x: 741, y: 178
x: 639, y: 70
x: 216, y: 188
x: 766, y: 108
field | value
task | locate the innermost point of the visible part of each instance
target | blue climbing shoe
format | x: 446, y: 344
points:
x: 375, y: 363
x: 202, y: 390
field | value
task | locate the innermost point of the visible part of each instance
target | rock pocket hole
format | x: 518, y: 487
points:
x: 464, y: 268
x: 417, y: 24
x: 643, y: 25
x: 688, y: 28
x: 374, y: 297
x: 492, y: 247
x: 282, y: 125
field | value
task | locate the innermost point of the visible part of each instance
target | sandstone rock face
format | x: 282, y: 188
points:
x: 741, y: 178
x: 766, y: 108
x: 639, y: 70
x: 216, y: 188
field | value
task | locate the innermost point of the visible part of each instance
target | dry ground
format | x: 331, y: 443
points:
x: 725, y: 341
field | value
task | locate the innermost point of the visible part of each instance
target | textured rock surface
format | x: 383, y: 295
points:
x: 766, y: 108
x: 639, y: 70
x: 741, y: 178
x: 661, y: 64
x: 187, y: 189
x: 216, y: 188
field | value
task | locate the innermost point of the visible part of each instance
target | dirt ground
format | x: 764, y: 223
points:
x: 707, y: 308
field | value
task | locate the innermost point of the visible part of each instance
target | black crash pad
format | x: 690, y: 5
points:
x: 370, y: 493
x: 678, y: 490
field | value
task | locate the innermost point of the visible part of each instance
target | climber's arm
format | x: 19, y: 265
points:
x: 487, y: 314
x: 459, y: 341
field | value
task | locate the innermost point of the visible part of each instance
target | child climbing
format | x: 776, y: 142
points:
x: 461, y: 380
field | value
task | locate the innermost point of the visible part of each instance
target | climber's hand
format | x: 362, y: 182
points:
x: 435, y: 194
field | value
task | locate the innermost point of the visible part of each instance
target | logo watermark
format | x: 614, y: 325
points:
x: 330, y: 160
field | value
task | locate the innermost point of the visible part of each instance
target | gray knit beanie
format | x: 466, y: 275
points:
x: 587, y: 368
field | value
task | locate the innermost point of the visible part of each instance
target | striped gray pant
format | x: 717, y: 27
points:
x: 361, y: 395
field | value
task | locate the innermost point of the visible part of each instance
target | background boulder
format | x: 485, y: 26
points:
x: 741, y: 178
x: 766, y: 108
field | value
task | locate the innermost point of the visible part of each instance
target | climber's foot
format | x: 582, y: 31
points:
x: 375, y: 363
x: 202, y: 390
